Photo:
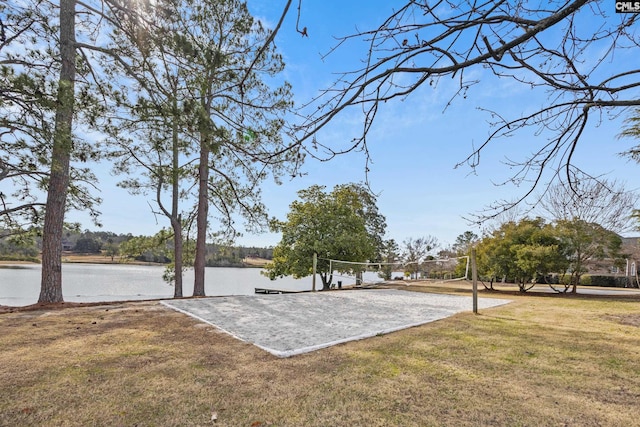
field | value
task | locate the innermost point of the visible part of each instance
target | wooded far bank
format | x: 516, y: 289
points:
x: 109, y: 247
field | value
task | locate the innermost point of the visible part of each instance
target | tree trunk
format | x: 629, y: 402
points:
x: 203, y: 213
x: 203, y: 195
x: 577, y: 272
x: 326, y: 281
x: 574, y: 288
x: 51, y: 282
x: 176, y: 224
x: 176, y: 219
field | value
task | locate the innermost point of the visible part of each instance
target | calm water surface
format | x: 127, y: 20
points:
x: 20, y: 284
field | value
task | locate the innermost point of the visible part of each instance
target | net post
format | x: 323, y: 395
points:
x: 474, y: 278
x: 315, y: 265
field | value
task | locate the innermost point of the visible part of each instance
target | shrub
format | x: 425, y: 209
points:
x: 609, y: 281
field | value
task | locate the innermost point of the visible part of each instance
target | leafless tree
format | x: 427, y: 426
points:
x: 576, y: 52
x: 416, y: 251
x: 602, y: 202
x: 514, y: 215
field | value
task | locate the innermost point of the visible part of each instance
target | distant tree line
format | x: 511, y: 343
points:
x: 155, y: 249
x: 234, y: 256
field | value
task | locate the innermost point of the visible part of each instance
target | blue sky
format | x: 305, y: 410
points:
x: 414, y: 144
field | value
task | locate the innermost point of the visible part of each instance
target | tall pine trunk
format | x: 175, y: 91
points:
x: 202, y: 214
x: 176, y: 224
x: 176, y: 218
x: 51, y: 282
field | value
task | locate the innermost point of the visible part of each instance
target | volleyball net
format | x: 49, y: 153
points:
x: 438, y: 270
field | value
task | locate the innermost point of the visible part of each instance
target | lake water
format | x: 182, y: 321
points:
x: 20, y: 284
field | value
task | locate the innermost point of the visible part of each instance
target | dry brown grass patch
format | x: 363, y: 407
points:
x: 536, y: 361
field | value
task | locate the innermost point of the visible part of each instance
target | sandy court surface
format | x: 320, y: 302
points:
x: 290, y: 324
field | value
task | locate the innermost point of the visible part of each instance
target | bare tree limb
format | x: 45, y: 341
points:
x: 543, y: 47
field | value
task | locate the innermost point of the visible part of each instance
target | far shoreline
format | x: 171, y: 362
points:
x: 68, y: 258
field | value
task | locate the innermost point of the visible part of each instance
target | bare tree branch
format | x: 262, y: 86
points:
x: 603, y: 202
x: 545, y: 47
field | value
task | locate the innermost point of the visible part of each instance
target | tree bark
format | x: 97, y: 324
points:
x: 176, y: 219
x: 51, y: 281
x: 201, y: 220
x: 326, y: 281
x: 176, y: 224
